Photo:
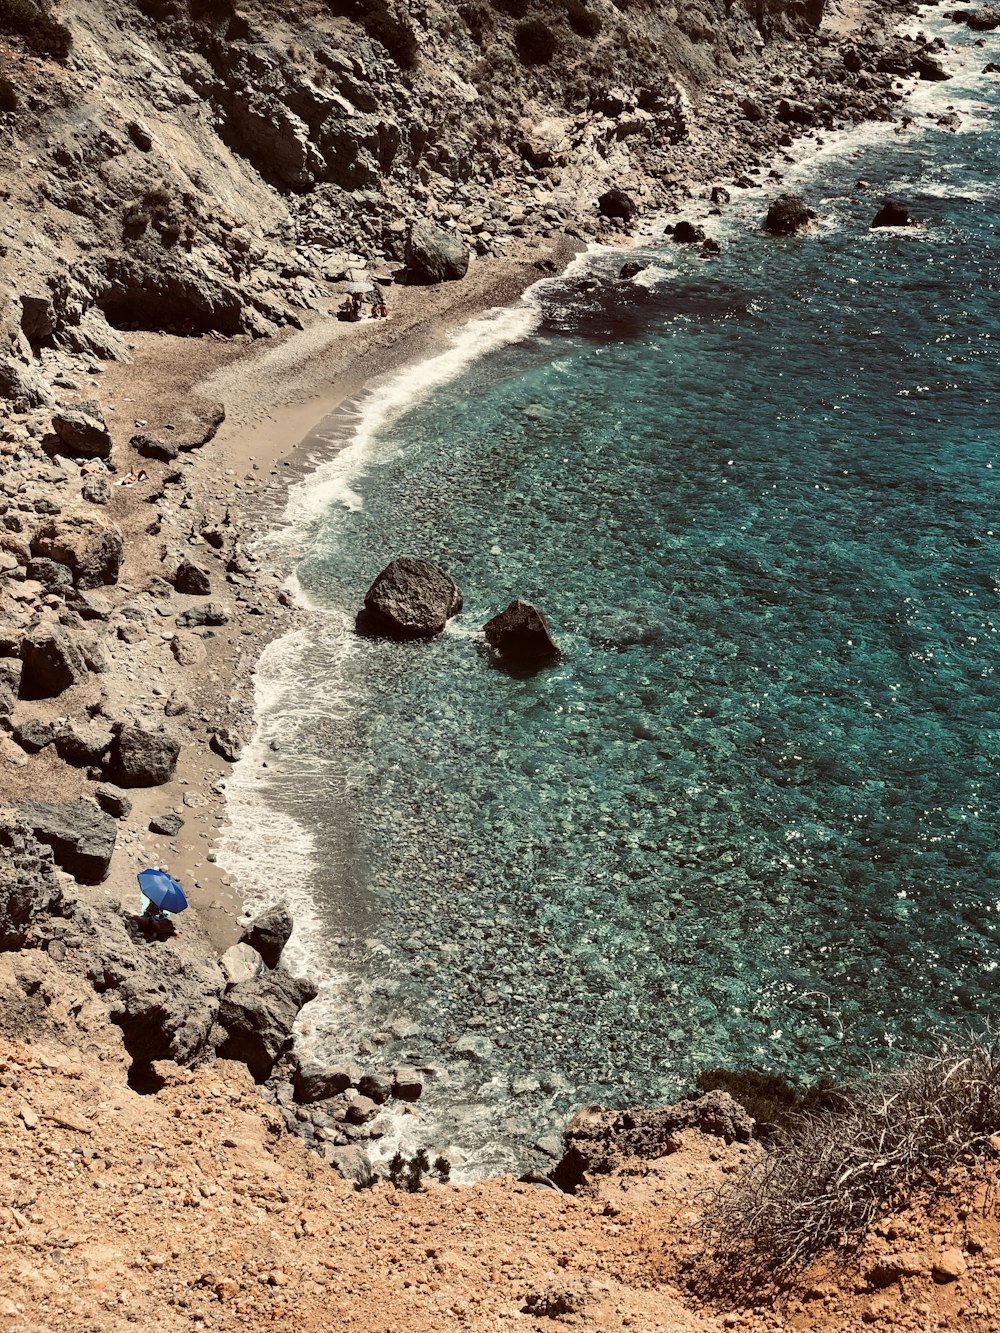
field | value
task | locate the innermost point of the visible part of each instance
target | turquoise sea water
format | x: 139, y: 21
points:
x: 751, y: 817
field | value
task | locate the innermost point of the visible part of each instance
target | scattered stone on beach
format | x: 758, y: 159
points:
x: 687, y: 233
x: 617, y: 203
x: 361, y: 1110
x: 520, y: 635
x: 434, y: 256
x: 226, y: 744
x: 192, y: 579
x: 112, y: 800
x: 142, y: 755
x: 82, y: 837
x: 407, y: 1085
x: 377, y: 1086
x: 90, y: 546
x: 188, y: 650
x: 80, y: 435
x: 52, y: 662
x: 894, y: 214
x: 205, y: 613
x: 269, y: 932
x: 411, y: 599
x: 787, y: 215
x: 169, y: 824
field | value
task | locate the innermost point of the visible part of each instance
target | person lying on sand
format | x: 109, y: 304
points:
x: 131, y: 477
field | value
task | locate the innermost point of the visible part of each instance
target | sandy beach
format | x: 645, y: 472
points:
x: 275, y: 393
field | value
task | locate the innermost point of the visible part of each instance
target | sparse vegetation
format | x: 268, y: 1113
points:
x: 408, y: 1173
x: 160, y: 208
x: 33, y: 23
x: 535, y: 41
x: 828, y: 1179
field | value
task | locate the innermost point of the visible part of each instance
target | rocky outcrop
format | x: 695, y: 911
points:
x: 80, y: 434
x: 51, y: 662
x: 257, y: 1017
x: 90, y: 547
x: 894, y: 214
x: 269, y: 932
x: 787, y: 215
x: 618, y: 204
x: 979, y: 20
x: 82, y: 837
x: 142, y: 755
x: 434, y: 256
x: 688, y: 233
x: 521, y: 636
x: 28, y: 887
x: 410, y: 599
x: 597, y: 1141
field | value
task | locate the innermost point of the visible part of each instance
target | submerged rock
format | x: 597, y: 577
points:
x: 520, y: 635
x: 893, y: 214
x: 410, y: 599
x: 787, y: 215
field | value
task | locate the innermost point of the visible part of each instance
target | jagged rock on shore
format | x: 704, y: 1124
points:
x: 434, y: 256
x: 411, y: 599
x: 269, y: 932
x: 142, y: 756
x: 520, y: 635
x: 787, y: 215
x: 258, y: 1016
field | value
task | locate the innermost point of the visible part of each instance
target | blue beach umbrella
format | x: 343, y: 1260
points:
x: 162, y: 890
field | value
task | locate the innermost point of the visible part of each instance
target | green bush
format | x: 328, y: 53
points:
x: 409, y: 1174
x: 583, y: 21
x: 772, y: 1101
x: 535, y: 41
x: 829, y: 1178
x: 35, y: 25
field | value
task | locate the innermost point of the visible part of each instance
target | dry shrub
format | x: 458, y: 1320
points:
x: 830, y: 1177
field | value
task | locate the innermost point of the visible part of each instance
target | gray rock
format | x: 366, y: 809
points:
x: 94, y: 655
x: 787, y: 215
x: 226, y: 744
x: 142, y: 756
x: 258, y: 1017
x: 90, y: 546
x: 361, y: 1110
x: 28, y: 886
x: 83, y: 743
x: 90, y: 605
x: 435, y: 256
x: 520, y: 635
x: 169, y: 824
x: 317, y: 1083
x: 51, y: 662
x: 617, y: 203
x: 113, y: 801
x: 187, y: 651
x: 192, y: 579
x: 50, y: 574
x: 79, y: 435
x: 147, y: 446
x: 241, y: 963
x: 97, y: 489
x: 33, y: 735
x: 269, y: 932
x: 353, y: 1164
x: 81, y: 836
x: 205, y: 613
x: 407, y: 1085
x: 410, y: 599
x: 377, y: 1086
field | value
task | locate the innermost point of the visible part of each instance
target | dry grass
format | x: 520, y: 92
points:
x: 830, y: 1177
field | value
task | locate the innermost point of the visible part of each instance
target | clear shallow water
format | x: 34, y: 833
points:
x: 751, y: 816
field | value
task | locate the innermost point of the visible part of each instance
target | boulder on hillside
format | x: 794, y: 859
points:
x: 112, y: 801
x: 787, y: 215
x: 203, y: 613
x: 258, y: 1017
x: 90, y: 546
x: 52, y: 576
x: 520, y: 635
x: 79, y: 435
x: 435, y: 256
x: 410, y: 599
x: 893, y: 214
x: 617, y: 203
x: 169, y: 824
x: 83, y: 743
x: 51, y: 661
x: 81, y: 836
x: 142, y: 756
x: 28, y: 886
x: 192, y: 579
x: 96, y: 490
x: 269, y: 932
x: 148, y: 446
x: 315, y: 1083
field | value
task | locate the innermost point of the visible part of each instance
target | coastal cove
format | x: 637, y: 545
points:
x: 748, y: 821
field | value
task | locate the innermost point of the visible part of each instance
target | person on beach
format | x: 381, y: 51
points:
x: 377, y: 299
x: 131, y: 477
x: 157, y: 922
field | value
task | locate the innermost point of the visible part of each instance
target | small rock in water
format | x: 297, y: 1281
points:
x: 893, y: 214
x: 521, y: 635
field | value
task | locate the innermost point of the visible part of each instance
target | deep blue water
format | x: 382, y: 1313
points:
x: 751, y: 817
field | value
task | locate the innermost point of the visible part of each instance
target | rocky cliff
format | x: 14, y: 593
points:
x: 212, y: 165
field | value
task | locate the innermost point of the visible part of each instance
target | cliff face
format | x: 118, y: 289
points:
x: 206, y: 165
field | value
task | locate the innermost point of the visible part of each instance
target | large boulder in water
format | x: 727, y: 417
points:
x: 893, y: 214
x: 787, y: 215
x: 269, y: 932
x: 520, y: 635
x: 410, y: 599
x: 435, y: 256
